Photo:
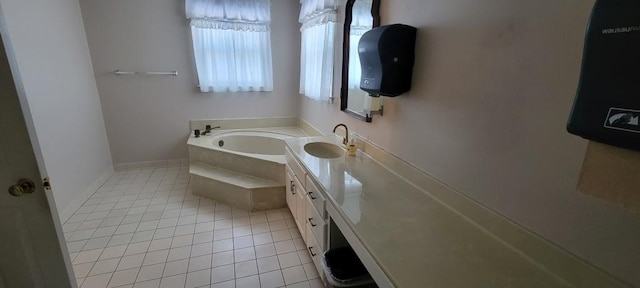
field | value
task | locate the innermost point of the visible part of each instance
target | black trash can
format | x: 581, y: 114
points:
x: 343, y: 268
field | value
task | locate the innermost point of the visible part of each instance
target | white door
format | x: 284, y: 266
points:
x: 30, y: 252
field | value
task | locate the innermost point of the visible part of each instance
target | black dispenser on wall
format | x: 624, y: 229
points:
x: 607, y: 105
x: 386, y: 56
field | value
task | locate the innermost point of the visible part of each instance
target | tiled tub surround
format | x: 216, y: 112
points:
x: 250, y: 181
x: 144, y: 228
x: 410, y: 229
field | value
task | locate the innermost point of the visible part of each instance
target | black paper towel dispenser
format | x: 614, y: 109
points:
x: 607, y: 105
x: 386, y: 56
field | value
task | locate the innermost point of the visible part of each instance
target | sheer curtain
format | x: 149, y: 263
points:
x: 318, y: 18
x: 231, y: 44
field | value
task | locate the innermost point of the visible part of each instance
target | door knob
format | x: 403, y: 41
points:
x: 23, y: 186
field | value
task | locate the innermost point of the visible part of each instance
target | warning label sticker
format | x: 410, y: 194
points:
x: 623, y: 119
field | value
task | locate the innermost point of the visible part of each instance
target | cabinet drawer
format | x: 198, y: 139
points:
x: 295, y: 166
x: 291, y: 191
x: 314, y: 251
x: 317, y: 224
x: 316, y: 197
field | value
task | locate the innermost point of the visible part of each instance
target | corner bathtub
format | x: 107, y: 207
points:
x: 242, y: 168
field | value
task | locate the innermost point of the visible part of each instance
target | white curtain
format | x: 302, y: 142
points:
x: 231, y: 44
x: 361, y: 22
x: 318, y: 18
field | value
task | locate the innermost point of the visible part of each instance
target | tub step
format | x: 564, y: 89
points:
x: 236, y: 189
x: 231, y: 177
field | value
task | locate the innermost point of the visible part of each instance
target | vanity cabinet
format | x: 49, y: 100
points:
x: 307, y: 205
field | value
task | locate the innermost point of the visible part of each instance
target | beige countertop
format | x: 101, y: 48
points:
x: 417, y: 240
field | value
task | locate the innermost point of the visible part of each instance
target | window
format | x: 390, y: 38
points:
x: 318, y: 18
x: 231, y: 44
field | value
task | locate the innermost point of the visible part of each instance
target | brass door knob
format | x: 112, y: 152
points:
x: 23, y: 186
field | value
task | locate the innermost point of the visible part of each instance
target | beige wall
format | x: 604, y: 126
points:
x: 147, y: 117
x: 492, y: 89
x: 48, y: 41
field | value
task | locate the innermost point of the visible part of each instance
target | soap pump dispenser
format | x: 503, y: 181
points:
x: 351, y: 147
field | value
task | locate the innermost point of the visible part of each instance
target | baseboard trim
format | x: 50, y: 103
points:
x: 150, y: 164
x: 86, y: 193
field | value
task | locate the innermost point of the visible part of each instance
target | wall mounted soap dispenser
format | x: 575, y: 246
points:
x: 387, y: 54
x: 607, y: 105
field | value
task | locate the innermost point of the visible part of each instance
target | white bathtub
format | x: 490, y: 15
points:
x: 266, y: 145
x: 243, y: 168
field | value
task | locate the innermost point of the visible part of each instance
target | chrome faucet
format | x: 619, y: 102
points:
x: 345, y: 140
x: 208, y: 129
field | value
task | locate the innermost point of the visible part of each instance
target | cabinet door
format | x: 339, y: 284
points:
x: 291, y: 192
x: 301, y: 211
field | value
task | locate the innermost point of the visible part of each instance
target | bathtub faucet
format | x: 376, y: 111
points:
x: 208, y: 129
x: 345, y: 140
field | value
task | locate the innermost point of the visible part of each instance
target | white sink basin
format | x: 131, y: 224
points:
x: 323, y: 150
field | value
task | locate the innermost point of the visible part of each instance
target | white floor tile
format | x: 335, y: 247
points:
x: 222, y: 245
x: 142, y: 236
x: 223, y: 234
x: 203, y: 237
x: 311, y: 271
x: 262, y: 238
x: 155, y: 257
x: 222, y: 258
x: 271, y: 279
x: 289, y: 260
x: 294, y: 274
x: 243, y: 242
x: 97, y: 281
x: 95, y: 243
x: 147, y: 284
x: 285, y: 246
x: 179, y: 253
x: 120, y: 239
x: 200, y: 263
x: 304, y: 284
x: 222, y: 273
x: 82, y: 270
x: 88, y: 256
x: 201, y: 249
x: 176, y: 281
x: 124, y: 277
x: 184, y: 229
x: 184, y: 240
x: 104, y: 266
x: 150, y: 272
x: 234, y: 284
x: 160, y: 244
x: 241, y: 231
x: 204, y: 227
x: 128, y: 262
x: 198, y: 278
x: 281, y: 235
x: 176, y: 267
x: 247, y: 268
x: 137, y: 248
x: 268, y: 264
x: 265, y: 250
x: 244, y: 254
x: 144, y: 228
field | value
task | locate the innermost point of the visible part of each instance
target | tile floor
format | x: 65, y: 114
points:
x: 144, y: 228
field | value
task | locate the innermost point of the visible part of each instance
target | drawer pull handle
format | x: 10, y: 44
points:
x: 311, y: 195
x: 292, y: 188
x: 311, y: 222
x: 311, y: 251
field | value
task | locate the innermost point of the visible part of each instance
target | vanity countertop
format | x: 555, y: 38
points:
x: 417, y: 240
